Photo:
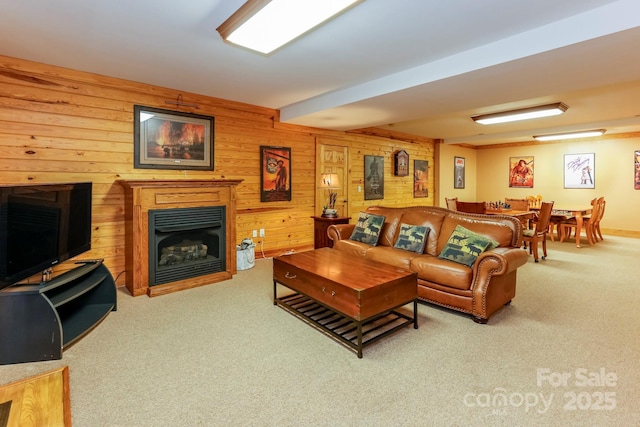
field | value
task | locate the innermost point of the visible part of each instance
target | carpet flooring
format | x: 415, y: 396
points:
x: 564, y: 353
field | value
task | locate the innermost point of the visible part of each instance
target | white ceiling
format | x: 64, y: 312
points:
x: 422, y: 67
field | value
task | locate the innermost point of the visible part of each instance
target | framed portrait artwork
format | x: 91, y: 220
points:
x: 374, y: 177
x: 420, y: 178
x: 275, y: 174
x: 458, y: 172
x: 165, y: 139
x: 579, y: 171
x: 521, y: 172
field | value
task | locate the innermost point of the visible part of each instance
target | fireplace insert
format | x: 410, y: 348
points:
x: 185, y: 243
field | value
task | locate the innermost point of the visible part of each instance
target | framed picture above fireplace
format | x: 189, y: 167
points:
x: 165, y: 139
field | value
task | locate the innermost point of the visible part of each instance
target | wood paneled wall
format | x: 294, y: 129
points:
x: 62, y: 125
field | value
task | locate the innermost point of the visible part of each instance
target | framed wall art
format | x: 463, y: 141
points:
x: 636, y: 169
x: 579, y: 171
x: 165, y: 139
x: 374, y: 177
x: 275, y: 174
x: 420, y: 178
x: 400, y: 163
x: 458, y: 172
x: 521, y: 172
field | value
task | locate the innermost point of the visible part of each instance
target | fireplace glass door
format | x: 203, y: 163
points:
x: 185, y: 243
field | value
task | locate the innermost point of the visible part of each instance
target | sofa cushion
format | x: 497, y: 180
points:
x: 367, y: 229
x: 389, y: 232
x: 391, y: 256
x: 492, y: 226
x: 464, y: 246
x: 412, y: 238
x: 426, y: 217
x: 442, y: 272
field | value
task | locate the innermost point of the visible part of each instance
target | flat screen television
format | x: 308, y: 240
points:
x: 42, y: 225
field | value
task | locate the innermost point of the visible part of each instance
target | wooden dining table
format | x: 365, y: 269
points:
x: 522, y: 215
x: 568, y: 213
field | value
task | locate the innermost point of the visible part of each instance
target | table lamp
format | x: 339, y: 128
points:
x: 329, y: 182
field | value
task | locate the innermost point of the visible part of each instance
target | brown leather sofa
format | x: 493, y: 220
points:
x: 479, y: 290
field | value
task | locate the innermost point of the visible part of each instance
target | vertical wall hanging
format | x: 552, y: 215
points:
x: 521, y: 172
x: 275, y: 174
x: 373, y: 177
x: 420, y: 178
x: 636, y: 169
x: 458, y: 172
x: 579, y: 170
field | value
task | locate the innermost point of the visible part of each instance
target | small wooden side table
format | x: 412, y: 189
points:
x: 320, y: 225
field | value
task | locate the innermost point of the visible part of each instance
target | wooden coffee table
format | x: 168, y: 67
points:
x: 353, y: 300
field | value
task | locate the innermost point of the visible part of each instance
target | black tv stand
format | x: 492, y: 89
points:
x: 38, y: 322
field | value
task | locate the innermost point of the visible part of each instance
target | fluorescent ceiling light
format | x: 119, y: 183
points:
x: 265, y: 25
x: 522, y: 114
x: 570, y: 135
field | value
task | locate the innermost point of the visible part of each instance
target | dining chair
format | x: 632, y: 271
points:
x: 517, y: 204
x: 597, y: 234
x: 534, y: 201
x: 471, y: 207
x: 539, y: 234
x: 569, y: 226
x: 452, y: 204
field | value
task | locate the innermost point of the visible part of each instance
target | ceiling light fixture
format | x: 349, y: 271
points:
x: 571, y: 135
x: 266, y: 25
x: 522, y: 114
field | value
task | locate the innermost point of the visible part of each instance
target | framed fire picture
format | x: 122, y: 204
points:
x: 275, y: 174
x: 165, y: 139
x: 521, y: 172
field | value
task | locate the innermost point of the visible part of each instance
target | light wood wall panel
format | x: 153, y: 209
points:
x: 62, y: 125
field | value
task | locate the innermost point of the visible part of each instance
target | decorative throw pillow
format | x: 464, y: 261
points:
x: 368, y: 228
x: 464, y: 246
x: 412, y: 238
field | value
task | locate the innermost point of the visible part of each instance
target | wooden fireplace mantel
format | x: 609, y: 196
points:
x: 144, y: 195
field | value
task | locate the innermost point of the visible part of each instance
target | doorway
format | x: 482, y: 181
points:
x: 333, y: 157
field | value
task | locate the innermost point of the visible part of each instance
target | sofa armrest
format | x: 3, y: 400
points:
x: 499, y: 261
x: 494, y: 277
x: 340, y: 231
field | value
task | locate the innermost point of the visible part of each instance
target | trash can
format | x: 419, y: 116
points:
x: 246, y: 256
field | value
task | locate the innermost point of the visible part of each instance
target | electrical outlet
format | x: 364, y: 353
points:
x: 255, y: 233
x: 262, y: 232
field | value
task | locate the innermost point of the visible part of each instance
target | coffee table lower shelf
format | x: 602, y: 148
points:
x: 353, y: 334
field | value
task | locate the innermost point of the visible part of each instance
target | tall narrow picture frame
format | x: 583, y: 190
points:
x: 374, y: 177
x: 275, y: 174
x: 166, y: 139
x: 579, y: 170
x: 420, y: 178
x: 636, y: 170
x: 521, y: 172
x: 458, y: 172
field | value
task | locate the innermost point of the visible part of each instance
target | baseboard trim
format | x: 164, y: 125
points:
x: 621, y: 233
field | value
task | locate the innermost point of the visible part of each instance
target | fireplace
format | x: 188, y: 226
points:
x: 186, y: 243
x: 178, y: 216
